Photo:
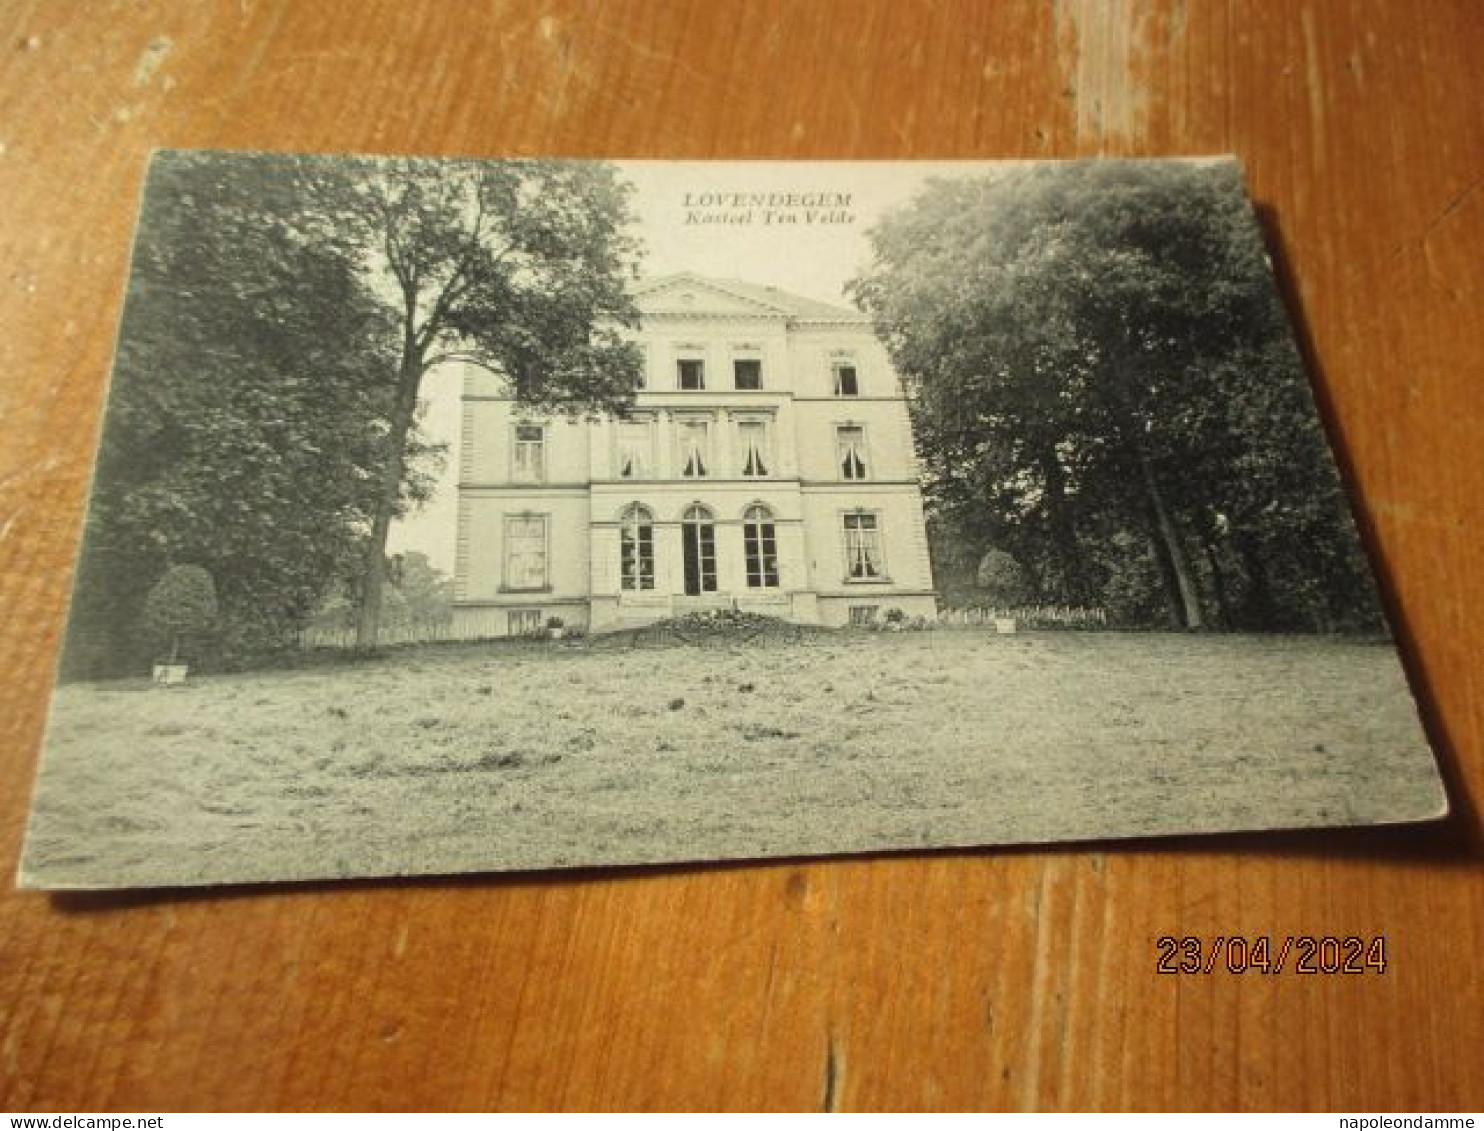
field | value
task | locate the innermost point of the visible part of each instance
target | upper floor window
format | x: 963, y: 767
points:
x: 850, y: 451
x: 528, y: 464
x: 747, y: 373
x: 525, y: 551
x: 694, y: 435
x: 690, y: 373
x: 635, y: 449
x: 863, y: 560
x: 847, y: 382
x: 752, y: 437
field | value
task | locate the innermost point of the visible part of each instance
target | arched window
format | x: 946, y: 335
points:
x: 698, y: 542
x: 636, y: 549
x: 760, y: 547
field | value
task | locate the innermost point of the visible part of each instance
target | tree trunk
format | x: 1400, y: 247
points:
x: 389, y: 490
x: 1258, y: 608
x: 1174, y: 549
x: 1063, y: 529
x: 1168, y: 583
x: 1218, y: 585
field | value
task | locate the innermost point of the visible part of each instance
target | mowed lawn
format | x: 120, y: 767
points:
x: 543, y: 754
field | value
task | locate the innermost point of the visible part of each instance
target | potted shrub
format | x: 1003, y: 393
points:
x: 555, y: 627
x: 179, y: 612
x: 1003, y: 583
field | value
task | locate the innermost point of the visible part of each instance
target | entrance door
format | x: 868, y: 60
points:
x: 698, y: 542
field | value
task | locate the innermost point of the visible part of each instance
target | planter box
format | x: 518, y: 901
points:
x: 168, y: 675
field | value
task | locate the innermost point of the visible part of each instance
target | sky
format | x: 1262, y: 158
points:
x: 807, y: 256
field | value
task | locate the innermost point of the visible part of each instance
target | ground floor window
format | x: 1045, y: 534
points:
x: 525, y: 551
x: 760, y: 548
x: 523, y: 622
x: 698, y: 542
x: 863, y: 560
x: 636, y: 549
x: 863, y: 616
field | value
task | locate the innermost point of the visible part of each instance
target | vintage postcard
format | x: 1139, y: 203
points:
x: 477, y: 515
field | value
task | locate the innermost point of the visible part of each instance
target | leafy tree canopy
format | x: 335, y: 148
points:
x: 281, y: 316
x: 180, y: 607
x: 1100, y: 371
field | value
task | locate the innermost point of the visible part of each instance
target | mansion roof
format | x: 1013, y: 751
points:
x: 668, y: 294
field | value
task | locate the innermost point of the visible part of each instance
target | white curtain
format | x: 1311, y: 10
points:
x: 693, y: 454
x: 851, y: 447
x: 754, y: 437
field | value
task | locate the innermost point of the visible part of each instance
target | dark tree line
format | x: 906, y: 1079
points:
x: 1104, y: 388
x: 281, y: 316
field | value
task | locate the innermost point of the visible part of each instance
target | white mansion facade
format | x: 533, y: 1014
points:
x: 767, y: 465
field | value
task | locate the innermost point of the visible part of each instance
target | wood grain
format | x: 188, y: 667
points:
x: 998, y: 979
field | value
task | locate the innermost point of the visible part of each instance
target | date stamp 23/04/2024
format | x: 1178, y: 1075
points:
x: 1270, y: 954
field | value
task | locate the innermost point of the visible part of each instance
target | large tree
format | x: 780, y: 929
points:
x: 521, y: 267
x: 1098, y: 360
x: 283, y: 313
x: 242, y: 428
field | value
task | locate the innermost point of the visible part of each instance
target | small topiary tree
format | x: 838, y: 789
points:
x: 180, y: 608
x: 1001, y: 580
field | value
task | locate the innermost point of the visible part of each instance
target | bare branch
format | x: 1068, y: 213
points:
x: 466, y: 357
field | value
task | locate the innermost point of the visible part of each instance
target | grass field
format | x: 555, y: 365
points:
x: 541, y: 754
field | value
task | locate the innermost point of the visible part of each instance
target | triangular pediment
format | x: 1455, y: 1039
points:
x: 691, y: 294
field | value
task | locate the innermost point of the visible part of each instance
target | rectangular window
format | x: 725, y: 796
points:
x: 523, y: 622
x: 850, y: 451
x: 863, y: 616
x: 691, y: 372
x: 747, y: 372
x: 635, y: 449
x: 863, y: 561
x: 752, y: 437
x: 529, y: 464
x: 846, y: 382
x: 525, y: 552
x: 695, y: 448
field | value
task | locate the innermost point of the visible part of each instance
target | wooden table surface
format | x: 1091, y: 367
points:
x: 994, y: 979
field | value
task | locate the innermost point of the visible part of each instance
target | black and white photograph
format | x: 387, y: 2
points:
x: 458, y: 515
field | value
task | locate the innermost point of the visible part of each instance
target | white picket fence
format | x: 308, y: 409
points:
x: 410, y: 632
x: 1025, y: 616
